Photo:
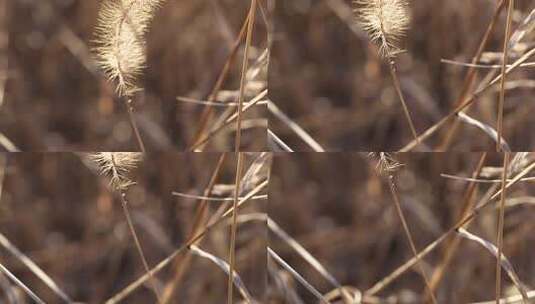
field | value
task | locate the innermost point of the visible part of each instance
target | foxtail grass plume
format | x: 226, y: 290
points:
x: 117, y: 166
x: 386, y: 22
x: 386, y: 164
x: 120, y: 42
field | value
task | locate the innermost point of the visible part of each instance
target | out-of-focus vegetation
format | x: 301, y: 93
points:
x: 328, y: 78
x: 55, y: 98
x: 59, y: 212
x: 342, y: 212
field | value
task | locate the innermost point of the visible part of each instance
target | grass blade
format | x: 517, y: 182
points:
x: 504, y: 262
x: 25, y: 288
x: 24, y: 259
x: 299, y: 278
x: 226, y: 268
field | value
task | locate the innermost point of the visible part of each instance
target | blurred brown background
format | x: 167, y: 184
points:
x: 342, y: 212
x: 61, y: 214
x: 328, y: 77
x: 57, y: 100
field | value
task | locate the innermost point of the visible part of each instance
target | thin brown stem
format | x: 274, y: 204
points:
x: 471, y: 75
x: 431, y: 130
x: 124, y: 202
x: 21, y: 285
x: 132, y: 286
x: 472, y: 70
x: 208, y: 110
x: 397, y: 203
x: 501, y: 217
x: 4, y: 46
x: 199, y: 222
x: 395, y: 79
x: 451, y: 247
x: 234, y: 226
x: 485, y: 201
x: 250, y: 26
x: 504, y: 66
x: 132, y: 119
x: 227, y: 122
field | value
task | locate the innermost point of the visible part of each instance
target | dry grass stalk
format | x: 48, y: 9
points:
x: 280, y: 280
x: 220, y: 104
x: 308, y: 257
x: 481, y: 65
x: 491, y: 195
x: 296, y: 275
x: 199, y: 222
x: 7, y: 144
x: 300, y: 132
x: 503, y: 261
x: 527, y: 26
x: 276, y: 143
x: 208, y: 111
x: 138, y: 245
x: 4, y: 46
x: 466, y: 103
x: 248, y: 38
x: 501, y: 220
x: 134, y: 285
x: 234, y: 226
x: 21, y: 285
x: 117, y: 166
x: 215, y: 130
x: 387, y: 22
x: 504, y: 66
x: 409, y: 236
x: 451, y: 248
x: 493, y: 134
x: 11, y: 294
x: 215, y: 199
x: 387, y: 167
x: 235, y: 277
x: 471, y: 74
x: 120, y: 46
x: 34, y: 268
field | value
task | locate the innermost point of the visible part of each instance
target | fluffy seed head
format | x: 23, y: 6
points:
x: 120, y: 43
x: 386, y: 22
x: 386, y: 164
x: 117, y: 166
